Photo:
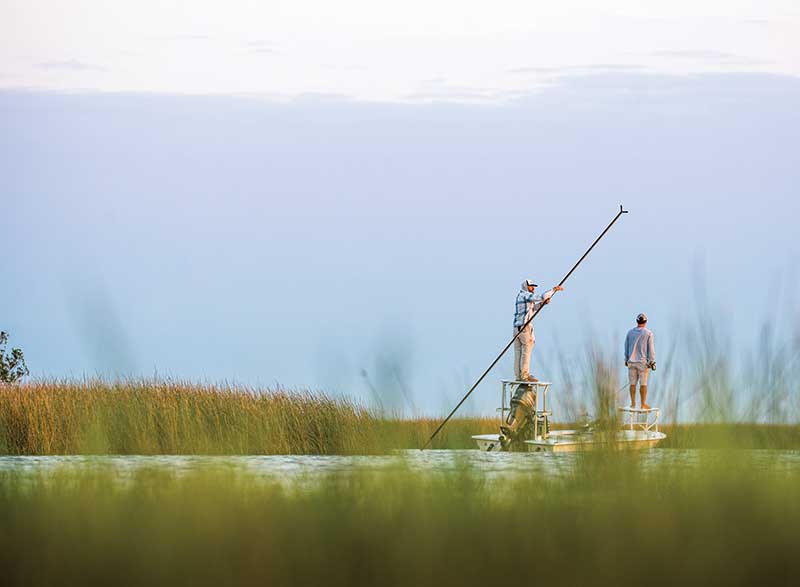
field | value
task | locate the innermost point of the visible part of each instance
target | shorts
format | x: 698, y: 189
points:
x: 637, y: 373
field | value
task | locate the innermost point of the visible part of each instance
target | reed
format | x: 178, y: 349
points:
x: 611, y: 521
x: 162, y: 417
x: 159, y: 417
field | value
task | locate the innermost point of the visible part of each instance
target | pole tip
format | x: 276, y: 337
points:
x: 621, y: 210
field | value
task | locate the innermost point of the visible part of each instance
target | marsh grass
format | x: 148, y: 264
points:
x: 152, y: 417
x: 611, y: 521
x: 157, y: 417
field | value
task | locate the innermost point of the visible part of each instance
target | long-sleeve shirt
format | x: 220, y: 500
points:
x: 639, y: 346
x: 527, y: 304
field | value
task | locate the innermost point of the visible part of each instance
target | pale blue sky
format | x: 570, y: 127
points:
x: 303, y: 239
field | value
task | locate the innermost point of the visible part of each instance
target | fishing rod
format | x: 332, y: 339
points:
x: 528, y: 321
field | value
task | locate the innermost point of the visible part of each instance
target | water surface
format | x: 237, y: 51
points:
x: 293, y: 467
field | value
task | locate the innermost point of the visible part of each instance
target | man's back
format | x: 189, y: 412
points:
x: 639, y: 346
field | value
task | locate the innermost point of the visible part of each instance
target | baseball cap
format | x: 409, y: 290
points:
x: 641, y: 318
x: 530, y: 282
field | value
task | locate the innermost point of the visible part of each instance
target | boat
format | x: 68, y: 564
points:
x: 638, y: 430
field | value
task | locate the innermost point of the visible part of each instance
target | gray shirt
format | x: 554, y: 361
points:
x: 639, y: 347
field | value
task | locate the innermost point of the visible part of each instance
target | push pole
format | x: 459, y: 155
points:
x: 528, y: 321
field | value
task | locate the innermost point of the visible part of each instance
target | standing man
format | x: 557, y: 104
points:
x: 524, y: 398
x: 640, y: 356
x: 527, y: 303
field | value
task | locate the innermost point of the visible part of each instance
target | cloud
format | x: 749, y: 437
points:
x: 333, y: 67
x: 708, y: 55
x: 69, y: 65
x: 570, y: 69
x: 731, y: 87
x: 261, y: 47
x: 131, y: 53
x: 757, y: 21
x: 438, y: 90
x: 181, y: 37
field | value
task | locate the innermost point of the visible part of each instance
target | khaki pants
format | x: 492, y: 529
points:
x: 523, y: 345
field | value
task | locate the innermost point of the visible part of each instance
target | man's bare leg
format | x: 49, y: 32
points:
x: 643, y: 395
x: 633, y: 396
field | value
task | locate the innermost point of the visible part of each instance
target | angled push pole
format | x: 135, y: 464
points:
x: 528, y: 321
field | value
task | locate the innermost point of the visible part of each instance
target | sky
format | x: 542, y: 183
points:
x: 347, y: 199
x: 415, y: 50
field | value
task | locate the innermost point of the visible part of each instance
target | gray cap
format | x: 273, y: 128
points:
x: 641, y: 318
x: 530, y: 282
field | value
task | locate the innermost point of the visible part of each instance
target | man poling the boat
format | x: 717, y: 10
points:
x: 527, y: 303
x: 524, y: 401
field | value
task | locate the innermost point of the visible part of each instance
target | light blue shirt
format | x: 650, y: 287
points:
x: 639, y: 346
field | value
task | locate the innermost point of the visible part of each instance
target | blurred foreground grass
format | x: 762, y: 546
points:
x: 152, y: 417
x: 609, y: 521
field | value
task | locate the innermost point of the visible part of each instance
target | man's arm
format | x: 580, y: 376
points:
x: 545, y: 299
x: 540, y: 301
x: 627, y: 348
x: 651, y: 349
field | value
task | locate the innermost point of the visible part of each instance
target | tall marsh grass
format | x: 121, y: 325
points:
x: 154, y: 417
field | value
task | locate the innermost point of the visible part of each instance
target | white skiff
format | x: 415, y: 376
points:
x: 639, y: 428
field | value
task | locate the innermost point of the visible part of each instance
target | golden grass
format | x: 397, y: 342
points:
x: 161, y: 417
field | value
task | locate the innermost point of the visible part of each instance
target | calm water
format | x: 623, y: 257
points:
x: 302, y: 467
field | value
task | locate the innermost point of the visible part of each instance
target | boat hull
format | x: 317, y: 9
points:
x: 571, y: 441
x: 488, y: 442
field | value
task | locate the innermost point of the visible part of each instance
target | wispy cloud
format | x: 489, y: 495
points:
x: 181, y: 37
x: 708, y: 55
x: 732, y: 85
x: 131, y: 53
x: 567, y: 69
x: 757, y: 21
x: 334, y: 67
x: 261, y: 47
x: 69, y: 65
x: 439, y: 90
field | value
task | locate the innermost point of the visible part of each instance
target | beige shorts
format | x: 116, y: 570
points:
x: 637, y: 373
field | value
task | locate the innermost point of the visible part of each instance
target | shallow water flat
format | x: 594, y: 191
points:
x: 288, y: 467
